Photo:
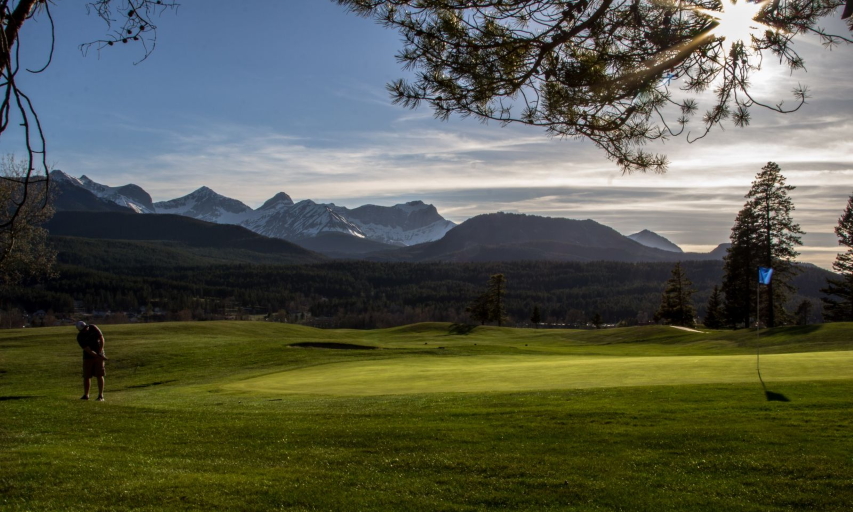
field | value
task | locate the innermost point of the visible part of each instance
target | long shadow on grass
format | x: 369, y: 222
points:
x: 461, y: 329
x: 151, y: 384
x: 333, y: 346
x: 772, y: 396
x: 7, y: 398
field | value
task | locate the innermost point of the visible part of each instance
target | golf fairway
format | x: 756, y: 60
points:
x: 534, y: 372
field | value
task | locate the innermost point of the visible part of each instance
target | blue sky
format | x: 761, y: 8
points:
x: 260, y: 96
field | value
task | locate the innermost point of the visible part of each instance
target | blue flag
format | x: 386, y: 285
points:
x: 764, y: 275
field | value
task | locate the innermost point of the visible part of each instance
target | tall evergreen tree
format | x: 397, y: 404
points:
x: 535, y: 317
x: 479, y: 309
x: 596, y: 320
x: 838, y: 305
x: 740, y: 268
x: 715, y: 316
x: 497, y: 289
x: 490, y: 307
x: 676, y: 305
x: 764, y: 235
x: 804, y: 312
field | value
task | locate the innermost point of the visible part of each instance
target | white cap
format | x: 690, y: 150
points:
x: 81, y: 325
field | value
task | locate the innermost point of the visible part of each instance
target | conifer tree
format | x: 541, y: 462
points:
x: 497, y: 311
x: 740, y: 268
x: 804, y: 312
x: 479, y: 309
x: 777, y: 235
x: 715, y: 316
x: 764, y: 235
x: 596, y: 320
x: 676, y: 305
x: 489, y: 307
x: 838, y: 305
x: 535, y: 317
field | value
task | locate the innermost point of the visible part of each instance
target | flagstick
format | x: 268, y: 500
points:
x: 757, y: 328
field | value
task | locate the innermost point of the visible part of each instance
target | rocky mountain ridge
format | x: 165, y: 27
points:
x: 279, y: 217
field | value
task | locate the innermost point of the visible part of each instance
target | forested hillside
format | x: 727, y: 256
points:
x: 363, y: 294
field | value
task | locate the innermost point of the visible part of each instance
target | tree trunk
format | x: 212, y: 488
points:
x: 13, y: 26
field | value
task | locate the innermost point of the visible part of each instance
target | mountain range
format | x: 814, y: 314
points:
x: 413, y: 231
x: 279, y: 217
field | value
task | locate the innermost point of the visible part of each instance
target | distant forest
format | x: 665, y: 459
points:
x: 360, y: 294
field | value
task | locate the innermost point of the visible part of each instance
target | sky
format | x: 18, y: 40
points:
x: 255, y: 97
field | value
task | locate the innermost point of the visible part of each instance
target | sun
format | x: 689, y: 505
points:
x: 736, y: 22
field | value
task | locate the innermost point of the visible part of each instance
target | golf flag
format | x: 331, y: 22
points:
x: 764, y: 275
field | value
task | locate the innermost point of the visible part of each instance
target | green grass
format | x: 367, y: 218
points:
x: 207, y: 416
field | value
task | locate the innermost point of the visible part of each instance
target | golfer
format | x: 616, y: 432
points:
x: 91, y: 340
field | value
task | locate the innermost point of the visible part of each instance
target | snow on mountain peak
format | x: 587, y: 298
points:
x: 205, y: 204
x: 277, y: 201
x: 64, y: 176
x: 130, y: 196
x: 401, y: 224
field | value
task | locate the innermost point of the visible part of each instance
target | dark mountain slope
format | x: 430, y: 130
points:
x: 652, y: 239
x: 69, y: 197
x: 341, y: 245
x: 509, y: 237
x: 176, y: 228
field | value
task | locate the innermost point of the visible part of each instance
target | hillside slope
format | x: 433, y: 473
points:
x: 177, y: 229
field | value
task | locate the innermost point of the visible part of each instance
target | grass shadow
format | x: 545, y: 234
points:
x: 151, y: 384
x: 772, y: 396
x: 15, y: 397
x: 333, y: 346
x: 460, y: 329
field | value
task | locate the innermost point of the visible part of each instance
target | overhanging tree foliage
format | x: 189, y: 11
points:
x: 605, y: 70
x: 128, y: 21
x: 838, y: 304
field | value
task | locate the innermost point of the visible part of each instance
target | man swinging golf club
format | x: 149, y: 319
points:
x: 91, y: 340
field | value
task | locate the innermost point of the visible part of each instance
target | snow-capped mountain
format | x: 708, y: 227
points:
x: 129, y: 196
x: 411, y: 223
x: 279, y: 217
x: 205, y: 204
x: 304, y: 219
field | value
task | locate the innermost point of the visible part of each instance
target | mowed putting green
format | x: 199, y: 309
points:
x: 502, y: 373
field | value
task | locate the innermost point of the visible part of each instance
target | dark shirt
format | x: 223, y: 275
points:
x: 89, y: 337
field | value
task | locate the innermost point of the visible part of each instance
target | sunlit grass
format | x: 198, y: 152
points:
x: 175, y: 435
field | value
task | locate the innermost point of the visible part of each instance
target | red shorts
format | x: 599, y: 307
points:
x: 93, y: 368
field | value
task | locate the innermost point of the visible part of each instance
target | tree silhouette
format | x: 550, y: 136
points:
x: 714, y: 315
x: 596, y: 320
x: 676, y: 304
x: 497, y: 290
x: 804, y: 312
x: 764, y: 235
x: 777, y: 234
x: 535, y: 317
x: 479, y: 309
x: 489, y: 307
x: 23, y: 243
x: 603, y: 70
x: 128, y: 21
x: 838, y: 305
